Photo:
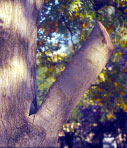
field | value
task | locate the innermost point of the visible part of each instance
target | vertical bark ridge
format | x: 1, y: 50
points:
x: 18, y: 33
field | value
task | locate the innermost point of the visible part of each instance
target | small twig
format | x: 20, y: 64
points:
x: 69, y: 32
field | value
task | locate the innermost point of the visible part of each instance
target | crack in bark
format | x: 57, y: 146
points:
x: 48, y: 109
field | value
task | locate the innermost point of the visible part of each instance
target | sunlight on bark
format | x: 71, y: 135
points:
x: 13, y: 73
x: 14, y: 17
x: 38, y: 3
x: 19, y: 68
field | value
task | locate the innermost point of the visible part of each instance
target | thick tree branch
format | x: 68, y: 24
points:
x: 75, y: 80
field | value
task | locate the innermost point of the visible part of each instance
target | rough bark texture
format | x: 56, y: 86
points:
x: 18, y: 31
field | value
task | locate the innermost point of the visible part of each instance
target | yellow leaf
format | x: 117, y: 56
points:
x: 99, y: 89
x: 121, y: 93
x: 125, y: 107
x: 87, y: 14
x: 82, y: 36
x: 101, y: 76
x: 76, y: 14
x: 97, y: 100
x: 118, y: 104
x: 110, y: 29
x: 109, y: 116
x: 115, y: 40
x: 70, y: 18
x: 83, y: 26
x: 116, y: 84
x: 61, y: 68
x: 105, y: 95
x: 125, y: 10
x: 60, y: 59
x: 42, y: 28
x: 46, y: 1
x: 87, y: 25
x: 94, y: 124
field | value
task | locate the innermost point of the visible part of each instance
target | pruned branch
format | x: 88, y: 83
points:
x: 78, y: 76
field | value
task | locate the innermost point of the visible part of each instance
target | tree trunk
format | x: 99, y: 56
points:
x: 18, y: 33
x: 18, y: 30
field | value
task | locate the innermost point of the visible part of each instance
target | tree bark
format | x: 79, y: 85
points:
x: 18, y: 30
x: 18, y: 33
